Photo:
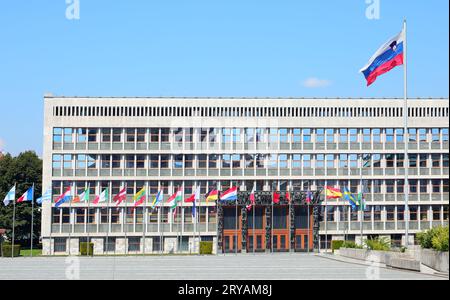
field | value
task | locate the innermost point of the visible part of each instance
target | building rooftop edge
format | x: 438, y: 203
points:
x: 237, y: 98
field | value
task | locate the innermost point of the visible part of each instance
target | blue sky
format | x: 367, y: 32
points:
x: 207, y: 48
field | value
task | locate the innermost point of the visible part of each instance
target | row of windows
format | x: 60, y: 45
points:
x: 377, y: 213
x: 117, y: 215
x: 274, y: 161
x: 248, y: 135
x: 378, y: 186
x: 385, y: 213
x: 308, y: 112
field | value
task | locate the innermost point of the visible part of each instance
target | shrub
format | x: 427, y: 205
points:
x: 86, y: 250
x: 336, y: 245
x: 435, y: 238
x: 440, y: 239
x: 7, y: 250
x: 206, y: 248
x: 378, y: 244
x: 351, y: 245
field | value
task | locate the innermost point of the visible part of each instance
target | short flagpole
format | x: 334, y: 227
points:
x: 14, y: 221
x: 406, y: 134
x: 32, y: 222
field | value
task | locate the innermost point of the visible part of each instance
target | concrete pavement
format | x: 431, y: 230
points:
x: 222, y: 267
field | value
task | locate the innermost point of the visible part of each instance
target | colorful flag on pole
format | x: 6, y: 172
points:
x: 361, y: 201
x: 252, y: 198
x: 11, y: 196
x: 309, y: 197
x: 288, y: 196
x: 230, y: 195
x: 103, y: 197
x: 174, y: 199
x: 84, y: 197
x: 139, y: 198
x: 65, y: 197
x: 389, y: 56
x: 350, y: 197
x: 193, y: 199
x: 276, y: 198
x: 157, y: 199
x: 47, y: 197
x: 212, y: 196
x: 121, y: 196
x: 333, y: 193
x: 27, y: 196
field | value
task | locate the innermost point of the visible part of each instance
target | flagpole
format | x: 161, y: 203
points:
x: 70, y: 218
x: 309, y: 221
x: 108, y: 220
x: 360, y: 197
x: 254, y: 225
x: 326, y: 222
x: 88, y: 246
x: 406, y: 135
x: 14, y: 220
x: 125, y: 222
x: 32, y: 221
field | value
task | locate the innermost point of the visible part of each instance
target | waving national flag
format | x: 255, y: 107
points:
x: 47, y: 197
x: 157, y: 199
x: 309, y: 196
x: 28, y: 196
x: 121, y: 196
x: 84, y: 197
x: 252, y: 198
x: 212, y: 196
x: 11, y: 196
x: 389, y: 56
x: 333, y: 193
x: 350, y: 197
x: 65, y: 197
x: 276, y: 198
x: 230, y: 195
x: 103, y: 197
x: 193, y: 199
x: 139, y: 198
x: 174, y: 199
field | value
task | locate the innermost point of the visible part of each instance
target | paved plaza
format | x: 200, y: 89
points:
x: 229, y: 267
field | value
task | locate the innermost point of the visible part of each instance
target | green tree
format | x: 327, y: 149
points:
x: 24, y: 171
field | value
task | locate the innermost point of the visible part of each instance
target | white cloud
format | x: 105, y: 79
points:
x: 314, y: 83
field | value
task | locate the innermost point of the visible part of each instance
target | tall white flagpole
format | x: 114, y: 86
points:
x: 32, y: 221
x: 14, y: 221
x: 406, y: 134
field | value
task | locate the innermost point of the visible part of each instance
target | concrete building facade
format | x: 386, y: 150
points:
x: 271, y: 144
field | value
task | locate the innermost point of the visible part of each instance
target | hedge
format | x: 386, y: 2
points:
x: 435, y: 238
x: 7, y: 249
x: 336, y: 245
x: 206, y: 248
x: 85, y: 250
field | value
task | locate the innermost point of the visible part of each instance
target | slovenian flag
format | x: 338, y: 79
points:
x: 389, y: 56
x: 230, y: 195
x: 28, y: 196
x: 65, y: 197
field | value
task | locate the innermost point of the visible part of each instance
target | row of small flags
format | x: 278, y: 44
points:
x: 355, y: 201
x: 139, y: 198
